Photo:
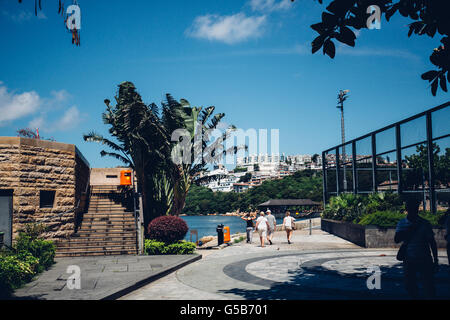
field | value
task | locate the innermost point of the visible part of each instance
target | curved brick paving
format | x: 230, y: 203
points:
x: 320, y: 266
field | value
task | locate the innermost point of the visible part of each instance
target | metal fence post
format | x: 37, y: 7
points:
x: 324, y: 176
x: 430, y: 164
x: 398, y: 146
x: 338, y: 189
x: 374, y: 164
x: 355, y: 173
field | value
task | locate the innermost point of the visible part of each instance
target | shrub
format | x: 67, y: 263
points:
x: 436, y: 219
x: 167, y: 229
x: 183, y: 247
x: 153, y: 247
x: 382, y: 219
x: 352, y: 208
x: 43, y: 250
x: 14, y: 272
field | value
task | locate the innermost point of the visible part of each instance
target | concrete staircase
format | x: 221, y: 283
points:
x: 106, y: 229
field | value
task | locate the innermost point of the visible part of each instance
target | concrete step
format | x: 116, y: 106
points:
x: 106, y: 204
x: 94, y: 223
x: 112, y: 213
x: 106, y: 234
x: 99, y: 244
x: 111, y: 218
x: 99, y: 237
x: 99, y: 248
x: 95, y: 243
x: 63, y: 254
x: 105, y: 231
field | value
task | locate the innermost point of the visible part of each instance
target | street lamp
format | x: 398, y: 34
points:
x: 342, y: 96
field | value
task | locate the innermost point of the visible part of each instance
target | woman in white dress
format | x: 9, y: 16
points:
x: 261, y: 226
x: 288, y: 224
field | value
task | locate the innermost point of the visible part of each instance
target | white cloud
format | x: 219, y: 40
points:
x: 50, y: 114
x: 69, y: 120
x: 15, y: 106
x: 229, y: 29
x: 270, y: 5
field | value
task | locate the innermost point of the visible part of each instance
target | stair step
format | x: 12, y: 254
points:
x: 104, y: 247
x: 86, y: 233
x: 95, y: 253
x: 94, y: 244
x: 106, y: 219
x: 108, y: 213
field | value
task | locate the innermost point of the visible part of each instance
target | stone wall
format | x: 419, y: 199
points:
x: 371, y: 236
x: 29, y: 166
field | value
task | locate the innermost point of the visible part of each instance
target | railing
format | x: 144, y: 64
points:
x: 397, y: 157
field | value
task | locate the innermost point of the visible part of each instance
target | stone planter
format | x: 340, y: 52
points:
x: 372, y: 236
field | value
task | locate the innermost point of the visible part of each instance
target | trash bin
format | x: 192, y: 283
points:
x: 226, y: 234
x: 219, y: 234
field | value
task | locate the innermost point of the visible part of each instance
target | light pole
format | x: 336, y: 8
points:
x: 342, y: 96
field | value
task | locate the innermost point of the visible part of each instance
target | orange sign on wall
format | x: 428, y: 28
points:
x: 125, y: 178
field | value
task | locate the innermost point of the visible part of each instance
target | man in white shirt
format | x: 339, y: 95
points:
x: 272, y: 224
x: 262, y: 225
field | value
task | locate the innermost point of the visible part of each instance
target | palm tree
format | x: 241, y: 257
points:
x: 198, y: 123
x: 144, y: 135
x: 143, y: 144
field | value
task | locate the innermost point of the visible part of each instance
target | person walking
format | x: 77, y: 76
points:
x: 272, y: 224
x: 445, y: 221
x: 288, y: 224
x: 249, y: 218
x: 417, y: 236
x: 261, y: 226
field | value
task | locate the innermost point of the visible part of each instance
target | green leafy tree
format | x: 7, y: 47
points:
x: 427, y: 17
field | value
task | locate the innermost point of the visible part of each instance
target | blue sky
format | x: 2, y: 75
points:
x: 251, y: 59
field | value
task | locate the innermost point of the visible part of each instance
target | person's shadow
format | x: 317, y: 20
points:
x: 318, y: 283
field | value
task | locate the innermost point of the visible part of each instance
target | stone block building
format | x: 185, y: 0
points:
x: 41, y: 181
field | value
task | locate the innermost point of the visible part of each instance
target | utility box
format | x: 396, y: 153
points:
x: 226, y: 234
x: 125, y: 178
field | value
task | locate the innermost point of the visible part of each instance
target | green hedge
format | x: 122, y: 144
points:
x: 29, y: 256
x: 154, y: 247
x: 386, y: 219
x: 382, y: 219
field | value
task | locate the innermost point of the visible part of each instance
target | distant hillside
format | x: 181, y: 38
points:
x: 305, y: 184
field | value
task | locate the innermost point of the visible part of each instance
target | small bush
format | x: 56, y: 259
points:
x: 153, y: 247
x: 29, y: 256
x: 382, y: 219
x: 43, y: 250
x: 14, y: 273
x: 167, y: 229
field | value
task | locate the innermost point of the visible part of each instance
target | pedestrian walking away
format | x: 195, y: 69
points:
x: 272, y: 225
x: 262, y: 226
x: 445, y: 221
x: 288, y: 224
x: 417, y: 236
x: 249, y: 218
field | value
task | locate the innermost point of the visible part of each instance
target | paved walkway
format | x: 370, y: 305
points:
x: 320, y: 266
x: 104, y: 277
